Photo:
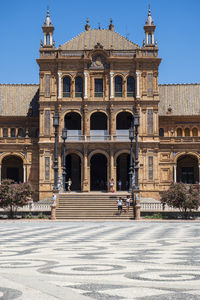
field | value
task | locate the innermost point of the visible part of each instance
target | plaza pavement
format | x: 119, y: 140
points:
x: 45, y: 260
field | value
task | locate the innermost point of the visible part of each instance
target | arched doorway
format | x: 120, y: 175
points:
x: 98, y: 172
x: 187, y: 169
x: 123, y: 161
x: 73, y: 171
x: 12, y: 168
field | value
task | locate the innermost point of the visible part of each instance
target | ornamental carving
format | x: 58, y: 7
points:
x: 98, y: 63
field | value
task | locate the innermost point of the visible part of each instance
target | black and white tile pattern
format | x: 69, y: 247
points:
x: 99, y: 260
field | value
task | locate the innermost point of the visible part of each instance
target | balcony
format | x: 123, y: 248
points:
x: 180, y: 139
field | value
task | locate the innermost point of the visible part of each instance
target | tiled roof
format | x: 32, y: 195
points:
x: 109, y: 39
x: 184, y: 99
x: 15, y: 99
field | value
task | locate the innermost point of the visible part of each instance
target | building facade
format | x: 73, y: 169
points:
x: 94, y: 83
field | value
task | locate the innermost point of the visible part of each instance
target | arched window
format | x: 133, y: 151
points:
x: 12, y: 132
x: 66, y: 87
x: 179, y: 132
x: 187, y: 132
x: 118, y: 86
x: 5, y: 132
x: 161, y: 132
x: 130, y: 86
x: 20, y: 132
x: 194, y: 132
x: 79, y: 87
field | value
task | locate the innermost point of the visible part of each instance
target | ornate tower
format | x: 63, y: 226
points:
x: 48, y: 30
x: 149, y: 29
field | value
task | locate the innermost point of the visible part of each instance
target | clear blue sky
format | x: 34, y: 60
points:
x: 177, y: 32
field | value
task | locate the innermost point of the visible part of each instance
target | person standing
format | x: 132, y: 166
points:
x: 119, y: 203
x: 112, y: 185
x: 128, y: 200
x: 69, y: 183
x: 119, y: 185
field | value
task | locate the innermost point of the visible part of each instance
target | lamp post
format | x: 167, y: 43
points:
x: 64, y: 137
x: 131, y: 137
x: 136, y: 125
x: 56, y: 125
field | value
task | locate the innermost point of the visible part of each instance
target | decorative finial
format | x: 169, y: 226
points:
x: 149, y: 20
x: 87, y: 26
x: 111, y: 26
x: 47, y: 21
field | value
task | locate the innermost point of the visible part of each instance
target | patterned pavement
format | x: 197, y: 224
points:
x: 45, y: 260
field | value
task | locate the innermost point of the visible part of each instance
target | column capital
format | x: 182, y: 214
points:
x: 111, y: 73
x: 59, y: 74
x: 137, y: 73
x: 85, y: 73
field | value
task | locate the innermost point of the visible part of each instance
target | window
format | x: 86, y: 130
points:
x: 187, y: 132
x: 79, y: 87
x: 194, y: 132
x: 130, y: 86
x: 20, y: 132
x: 66, y: 87
x: 47, y: 85
x: 161, y: 132
x: 118, y: 86
x: 179, y: 132
x: 12, y: 132
x: 98, y: 87
x: 5, y: 132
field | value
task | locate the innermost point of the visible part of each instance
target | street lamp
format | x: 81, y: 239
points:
x: 133, y: 133
x: 64, y: 137
x: 56, y: 125
x: 136, y: 125
x: 131, y: 137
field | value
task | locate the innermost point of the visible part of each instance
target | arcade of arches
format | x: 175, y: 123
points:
x: 12, y: 168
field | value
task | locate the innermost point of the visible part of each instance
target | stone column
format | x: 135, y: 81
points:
x: 50, y: 39
x: 175, y: 174
x: 111, y: 85
x: 85, y: 121
x: 85, y: 85
x: 138, y: 85
x: 112, y: 170
x: 112, y: 122
x: 199, y: 174
x: 85, y: 171
x: 24, y: 168
x: 59, y: 85
x: 0, y: 174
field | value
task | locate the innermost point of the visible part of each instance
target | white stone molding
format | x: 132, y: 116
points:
x: 138, y: 85
x: 111, y: 85
x: 85, y: 84
x: 59, y: 85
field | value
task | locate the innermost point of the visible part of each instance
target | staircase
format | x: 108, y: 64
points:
x: 89, y: 206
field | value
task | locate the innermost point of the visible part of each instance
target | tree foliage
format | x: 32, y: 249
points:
x: 14, y: 195
x: 185, y: 197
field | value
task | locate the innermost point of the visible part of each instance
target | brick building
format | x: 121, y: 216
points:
x: 94, y: 82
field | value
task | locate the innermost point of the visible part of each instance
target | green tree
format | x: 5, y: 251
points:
x: 14, y: 195
x: 185, y: 197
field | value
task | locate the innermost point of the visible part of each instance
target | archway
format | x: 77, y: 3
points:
x: 73, y: 171
x: 98, y: 172
x: 187, y: 169
x: 123, y: 161
x: 124, y: 120
x: 73, y: 125
x: 12, y: 168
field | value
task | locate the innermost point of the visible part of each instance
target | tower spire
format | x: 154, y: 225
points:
x: 149, y: 29
x: 48, y: 30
